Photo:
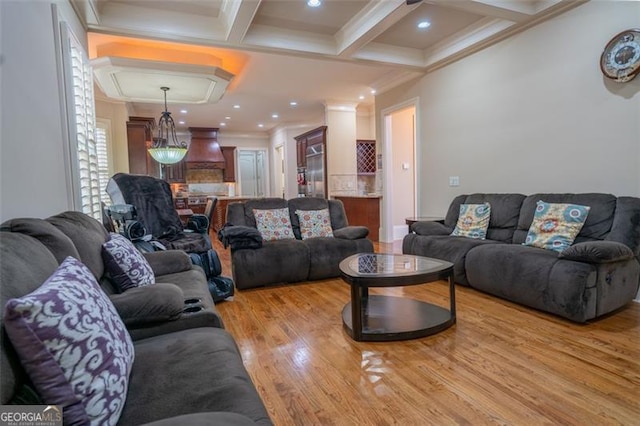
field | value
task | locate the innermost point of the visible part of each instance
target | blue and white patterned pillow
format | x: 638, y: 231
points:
x: 555, y: 226
x: 125, y: 264
x: 73, y: 345
x: 314, y: 223
x: 274, y: 224
x: 473, y: 221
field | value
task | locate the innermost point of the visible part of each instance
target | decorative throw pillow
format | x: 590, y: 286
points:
x: 125, y: 264
x: 473, y: 221
x: 314, y: 223
x: 555, y: 226
x: 73, y: 345
x: 274, y: 224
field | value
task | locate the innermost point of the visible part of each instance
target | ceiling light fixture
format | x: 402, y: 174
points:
x: 166, y: 149
x: 313, y: 3
x: 424, y: 24
x: 223, y: 124
x: 293, y: 103
x: 361, y: 97
x: 183, y: 111
x: 274, y: 116
x: 260, y: 125
x: 236, y: 106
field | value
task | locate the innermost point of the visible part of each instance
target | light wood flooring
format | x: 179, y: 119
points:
x: 500, y: 364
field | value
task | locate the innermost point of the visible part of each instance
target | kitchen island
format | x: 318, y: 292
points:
x: 363, y: 210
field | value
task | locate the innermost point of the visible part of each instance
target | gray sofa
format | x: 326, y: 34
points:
x: 187, y: 368
x: 293, y: 260
x: 597, y: 274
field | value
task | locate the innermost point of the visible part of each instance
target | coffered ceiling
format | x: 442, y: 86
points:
x: 280, y: 51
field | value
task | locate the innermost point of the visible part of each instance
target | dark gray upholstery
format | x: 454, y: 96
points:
x: 78, y: 235
x: 192, y: 376
x: 598, y: 274
x: 293, y: 260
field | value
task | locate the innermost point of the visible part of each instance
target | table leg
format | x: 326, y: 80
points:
x: 356, y: 312
x: 452, y: 295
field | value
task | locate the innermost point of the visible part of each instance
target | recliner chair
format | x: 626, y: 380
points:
x: 153, y: 201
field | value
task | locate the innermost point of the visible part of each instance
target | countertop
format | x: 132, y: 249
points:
x: 358, y: 196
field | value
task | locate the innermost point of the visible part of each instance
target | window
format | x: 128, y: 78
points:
x: 85, y: 154
x: 103, y: 162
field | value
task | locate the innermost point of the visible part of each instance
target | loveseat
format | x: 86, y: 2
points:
x: 597, y: 274
x: 295, y: 258
x: 184, y: 368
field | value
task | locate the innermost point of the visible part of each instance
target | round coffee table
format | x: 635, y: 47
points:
x: 384, y: 318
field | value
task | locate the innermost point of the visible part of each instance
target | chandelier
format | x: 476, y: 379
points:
x: 166, y: 149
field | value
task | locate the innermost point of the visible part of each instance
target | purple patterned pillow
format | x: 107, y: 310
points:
x: 125, y: 264
x: 73, y: 345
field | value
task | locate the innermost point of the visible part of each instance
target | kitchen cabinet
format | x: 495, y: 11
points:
x: 366, y: 157
x: 204, y: 147
x: 174, y: 173
x: 363, y: 211
x: 139, y: 140
x: 229, y: 172
x: 301, y: 152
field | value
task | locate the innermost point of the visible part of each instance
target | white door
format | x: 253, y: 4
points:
x: 252, y: 173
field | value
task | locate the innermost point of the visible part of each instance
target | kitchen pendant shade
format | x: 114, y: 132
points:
x: 166, y: 149
x: 168, y: 155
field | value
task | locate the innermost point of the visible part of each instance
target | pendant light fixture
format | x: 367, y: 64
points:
x: 166, y: 149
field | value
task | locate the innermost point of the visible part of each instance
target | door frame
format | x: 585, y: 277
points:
x: 387, y: 232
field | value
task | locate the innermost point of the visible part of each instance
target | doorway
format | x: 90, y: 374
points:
x: 252, y: 165
x: 399, y: 200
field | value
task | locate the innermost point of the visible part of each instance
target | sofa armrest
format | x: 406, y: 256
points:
x: 198, y: 223
x: 597, y: 252
x: 168, y: 262
x: 205, y: 419
x: 148, y: 304
x: 430, y: 228
x: 240, y: 237
x: 351, y: 232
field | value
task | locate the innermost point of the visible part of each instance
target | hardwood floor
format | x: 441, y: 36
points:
x: 500, y: 364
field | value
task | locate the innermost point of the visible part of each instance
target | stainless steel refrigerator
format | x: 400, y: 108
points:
x: 315, y: 174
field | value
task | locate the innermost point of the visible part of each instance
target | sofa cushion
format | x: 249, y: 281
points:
x: 473, y: 221
x: 596, y: 227
x: 505, y: 211
x: 163, y: 385
x: 274, y: 224
x: 555, y: 226
x: 127, y: 267
x: 351, y: 232
x: 73, y: 345
x: 87, y: 235
x: 314, y: 223
x: 146, y: 305
x: 258, y: 204
x: 304, y: 203
x: 54, y: 239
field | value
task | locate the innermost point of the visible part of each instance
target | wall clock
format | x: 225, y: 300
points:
x: 620, y: 60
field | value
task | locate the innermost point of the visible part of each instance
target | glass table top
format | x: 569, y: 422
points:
x: 379, y: 264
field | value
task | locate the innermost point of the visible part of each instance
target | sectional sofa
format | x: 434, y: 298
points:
x: 162, y: 347
x: 597, y: 274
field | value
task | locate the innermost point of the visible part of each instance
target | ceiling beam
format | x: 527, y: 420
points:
x: 236, y: 17
x: 510, y: 10
x: 369, y: 23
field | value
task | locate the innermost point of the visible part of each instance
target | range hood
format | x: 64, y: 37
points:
x: 204, y: 150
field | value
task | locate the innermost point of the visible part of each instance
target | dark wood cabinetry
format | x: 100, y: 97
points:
x: 204, y: 146
x: 139, y: 140
x: 301, y: 150
x: 220, y: 213
x: 175, y: 173
x: 229, y: 172
x: 363, y: 211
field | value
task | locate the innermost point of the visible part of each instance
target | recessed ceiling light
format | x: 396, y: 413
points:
x: 183, y: 111
x: 424, y: 24
x: 260, y: 125
x: 223, y: 124
x: 227, y: 118
x: 236, y: 106
x: 373, y: 91
x: 274, y: 116
x: 293, y: 103
x: 180, y: 122
x: 361, y: 97
x: 313, y: 3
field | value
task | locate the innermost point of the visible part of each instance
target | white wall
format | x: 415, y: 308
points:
x: 402, y: 192
x: 33, y: 172
x: 530, y: 114
x: 341, y: 142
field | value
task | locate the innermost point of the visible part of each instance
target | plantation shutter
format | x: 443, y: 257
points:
x: 103, y: 163
x: 82, y: 120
